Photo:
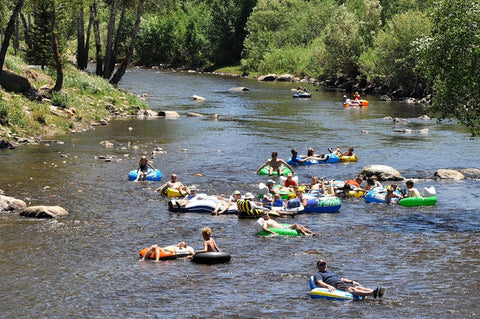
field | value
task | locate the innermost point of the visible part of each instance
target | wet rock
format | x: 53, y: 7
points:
x: 399, y: 120
x: 193, y: 114
x: 168, y: 114
x: 148, y: 113
x: 43, y: 212
x: 471, y: 172
x: 6, y: 144
x: 8, y: 204
x: 285, y: 78
x: 383, y: 172
x: 239, y: 89
x: 197, y: 98
x: 449, y: 174
x: 267, y: 78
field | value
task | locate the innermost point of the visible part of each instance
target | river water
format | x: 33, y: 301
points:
x: 86, y: 264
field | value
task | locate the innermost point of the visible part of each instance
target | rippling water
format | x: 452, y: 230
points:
x: 86, y: 265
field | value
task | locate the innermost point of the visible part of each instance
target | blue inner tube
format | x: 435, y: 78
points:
x: 153, y: 175
x: 212, y: 257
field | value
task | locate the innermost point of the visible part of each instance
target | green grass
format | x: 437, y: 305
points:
x: 87, y: 95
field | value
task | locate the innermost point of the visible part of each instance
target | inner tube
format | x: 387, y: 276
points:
x: 265, y: 171
x: 153, y: 175
x: 211, y: 257
x: 324, y: 293
x: 279, y: 231
x: 418, y: 201
x: 167, y: 254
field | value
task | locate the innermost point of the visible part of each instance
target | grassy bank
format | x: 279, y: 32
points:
x: 85, y: 100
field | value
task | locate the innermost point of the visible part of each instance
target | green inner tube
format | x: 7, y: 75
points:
x: 281, y: 231
x: 266, y: 169
x: 418, y: 201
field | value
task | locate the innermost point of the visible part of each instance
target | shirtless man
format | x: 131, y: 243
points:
x: 172, y: 183
x: 275, y: 164
x: 270, y: 223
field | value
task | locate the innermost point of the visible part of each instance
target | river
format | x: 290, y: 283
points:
x: 86, y: 264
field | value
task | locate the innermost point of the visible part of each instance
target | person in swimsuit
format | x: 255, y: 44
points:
x: 142, y: 170
x: 275, y: 164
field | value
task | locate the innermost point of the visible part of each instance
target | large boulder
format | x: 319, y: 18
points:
x: 471, y: 172
x: 268, y: 77
x: 383, y: 172
x: 44, y: 212
x: 449, y: 174
x: 168, y: 114
x: 285, y: 78
x: 8, y: 204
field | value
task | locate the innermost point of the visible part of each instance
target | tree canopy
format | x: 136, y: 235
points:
x: 419, y: 46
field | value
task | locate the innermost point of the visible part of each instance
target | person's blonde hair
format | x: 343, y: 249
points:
x: 206, y: 231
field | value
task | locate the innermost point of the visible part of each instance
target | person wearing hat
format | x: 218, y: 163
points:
x: 275, y: 164
x: 346, y: 100
x: 192, y: 196
x: 223, y: 206
x: 325, y: 278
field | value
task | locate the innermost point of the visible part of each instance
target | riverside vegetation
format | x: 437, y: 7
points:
x: 401, y: 48
x: 85, y: 100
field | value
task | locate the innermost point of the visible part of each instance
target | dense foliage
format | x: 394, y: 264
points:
x: 450, y: 59
x: 419, y: 46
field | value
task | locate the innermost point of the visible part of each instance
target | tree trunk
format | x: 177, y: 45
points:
x: 123, y: 66
x: 9, y: 31
x: 26, y: 29
x: 109, y: 58
x: 87, y: 41
x: 98, y: 42
x: 116, y: 45
x: 56, y: 54
x: 81, y: 60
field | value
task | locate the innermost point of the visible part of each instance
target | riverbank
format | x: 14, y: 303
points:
x: 31, y: 112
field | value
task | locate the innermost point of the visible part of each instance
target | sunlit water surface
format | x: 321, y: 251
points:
x: 86, y: 264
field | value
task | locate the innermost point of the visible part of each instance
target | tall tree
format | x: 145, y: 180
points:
x: 123, y: 66
x: 98, y: 42
x: 9, y: 32
x: 82, y: 41
x: 39, y: 50
x: 109, y: 58
x: 451, y: 60
x: 55, y: 50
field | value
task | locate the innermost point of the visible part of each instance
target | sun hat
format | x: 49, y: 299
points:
x: 249, y: 195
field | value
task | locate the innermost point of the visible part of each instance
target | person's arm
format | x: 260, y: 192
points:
x: 287, y: 165
x: 265, y: 228
x: 348, y: 281
x: 226, y: 207
x: 262, y: 166
x: 215, y: 245
x: 149, y: 164
x: 323, y: 284
x: 161, y: 187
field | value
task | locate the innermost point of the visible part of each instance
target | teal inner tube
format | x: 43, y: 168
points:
x: 281, y: 231
x: 266, y: 169
x: 418, y: 201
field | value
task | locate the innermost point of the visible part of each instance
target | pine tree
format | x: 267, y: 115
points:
x: 39, y: 51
